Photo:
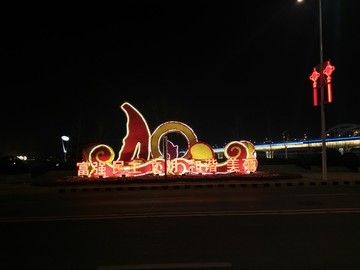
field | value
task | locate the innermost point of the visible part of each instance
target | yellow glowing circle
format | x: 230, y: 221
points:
x: 166, y: 128
x: 201, y: 151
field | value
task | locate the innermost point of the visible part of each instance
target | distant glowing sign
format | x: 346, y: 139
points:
x: 141, y: 153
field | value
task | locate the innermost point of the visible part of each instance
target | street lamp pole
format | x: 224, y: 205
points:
x: 322, y: 97
x: 165, y: 153
x: 323, y: 131
x: 65, y: 144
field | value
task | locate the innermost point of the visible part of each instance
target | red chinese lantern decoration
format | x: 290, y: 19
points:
x: 326, y: 77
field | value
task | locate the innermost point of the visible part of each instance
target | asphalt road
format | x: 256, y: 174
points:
x: 309, y: 226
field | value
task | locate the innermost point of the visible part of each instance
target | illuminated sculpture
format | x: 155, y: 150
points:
x: 141, y: 153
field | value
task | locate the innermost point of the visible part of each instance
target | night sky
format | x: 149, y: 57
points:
x: 231, y: 70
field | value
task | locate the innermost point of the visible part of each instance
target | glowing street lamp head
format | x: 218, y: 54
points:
x: 65, y: 144
x: 65, y: 138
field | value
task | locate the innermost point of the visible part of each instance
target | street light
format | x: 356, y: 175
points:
x: 165, y: 154
x: 322, y: 97
x: 285, y: 135
x: 65, y: 144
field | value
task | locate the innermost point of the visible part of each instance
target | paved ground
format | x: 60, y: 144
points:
x: 315, y: 173
x: 269, y: 176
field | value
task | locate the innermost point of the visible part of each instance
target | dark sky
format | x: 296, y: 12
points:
x: 231, y: 70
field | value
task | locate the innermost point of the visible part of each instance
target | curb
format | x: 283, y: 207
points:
x: 182, y: 186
